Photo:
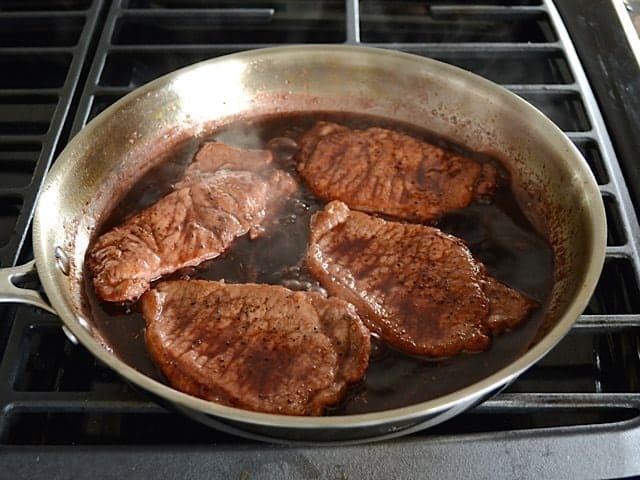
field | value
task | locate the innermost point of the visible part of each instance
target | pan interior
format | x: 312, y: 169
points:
x: 497, y: 232
x: 550, y: 179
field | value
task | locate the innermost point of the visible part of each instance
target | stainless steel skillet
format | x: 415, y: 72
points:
x: 549, y: 176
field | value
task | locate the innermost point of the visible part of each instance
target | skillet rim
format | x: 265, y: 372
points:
x: 46, y: 263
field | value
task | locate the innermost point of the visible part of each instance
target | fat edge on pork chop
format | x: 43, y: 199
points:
x: 418, y: 288
x: 253, y: 346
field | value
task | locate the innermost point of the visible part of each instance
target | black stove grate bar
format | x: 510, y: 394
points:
x: 31, y: 118
x: 40, y: 49
x: 609, y: 323
x: 616, y: 189
x: 461, y: 10
x: 352, y: 21
x: 44, y: 14
x: 237, y: 16
x: 415, y: 47
x: 32, y: 92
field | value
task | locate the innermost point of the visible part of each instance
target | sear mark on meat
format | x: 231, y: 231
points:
x: 258, y: 347
x: 415, y: 286
x: 225, y: 193
x: 382, y: 171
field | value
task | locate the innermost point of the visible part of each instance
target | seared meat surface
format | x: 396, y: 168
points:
x: 417, y: 287
x: 212, y: 157
x: 259, y: 347
x: 224, y: 194
x: 382, y: 171
x: 507, y: 307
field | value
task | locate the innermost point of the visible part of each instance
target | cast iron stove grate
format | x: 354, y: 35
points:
x: 577, y: 408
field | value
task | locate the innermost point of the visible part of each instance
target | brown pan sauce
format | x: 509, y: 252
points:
x: 498, y: 234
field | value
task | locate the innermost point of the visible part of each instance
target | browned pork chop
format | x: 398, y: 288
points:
x: 212, y: 157
x: 417, y: 287
x: 224, y: 194
x: 382, y: 171
x: 258, y: 347
x: 508, y: 307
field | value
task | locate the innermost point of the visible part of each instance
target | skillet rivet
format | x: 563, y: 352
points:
x: 62, y: 260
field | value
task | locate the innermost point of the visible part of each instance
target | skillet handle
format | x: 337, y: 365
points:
x: 10, y: 292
